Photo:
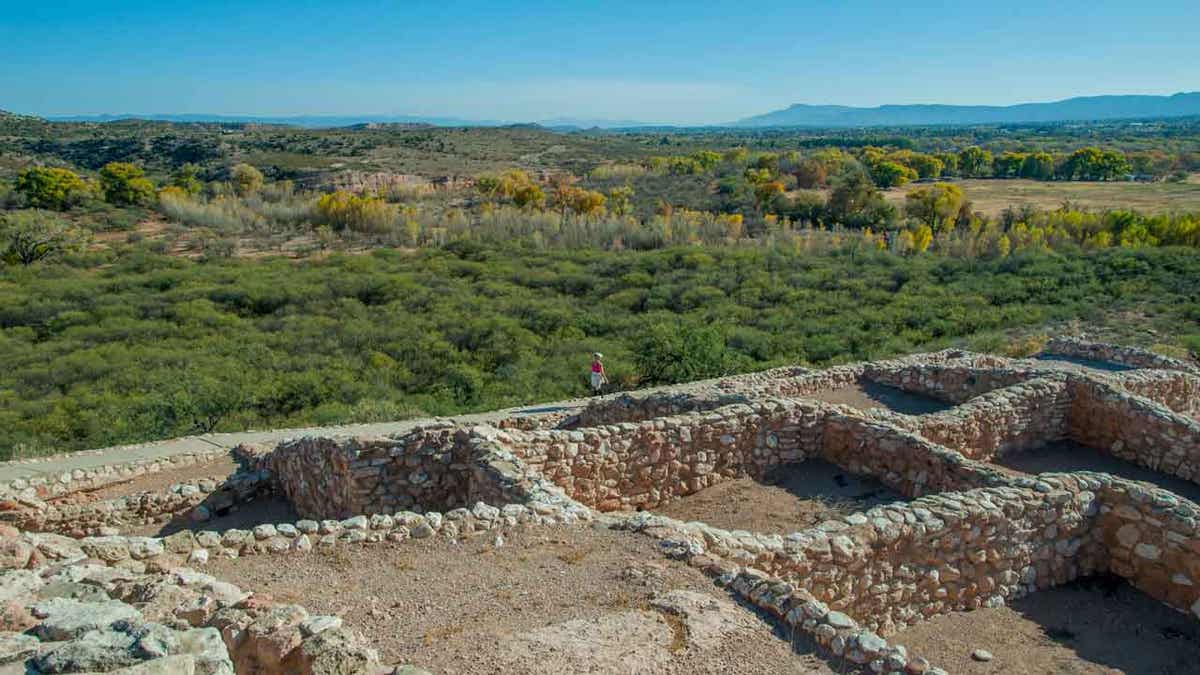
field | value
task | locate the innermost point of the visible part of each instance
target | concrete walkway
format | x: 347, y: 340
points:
x: 88, y: 459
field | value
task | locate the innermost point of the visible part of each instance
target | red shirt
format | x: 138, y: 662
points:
x: 596, y: 367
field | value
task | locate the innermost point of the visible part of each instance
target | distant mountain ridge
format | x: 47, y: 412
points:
x: 1082, y: 108
x: 304, y: 121
x: 332, y: 121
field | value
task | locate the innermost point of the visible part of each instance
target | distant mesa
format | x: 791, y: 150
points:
x: 1084, y: 108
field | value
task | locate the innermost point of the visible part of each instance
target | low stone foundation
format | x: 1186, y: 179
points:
x: 199, y: 499
x: 1132, y: 357
x: 974, y: 534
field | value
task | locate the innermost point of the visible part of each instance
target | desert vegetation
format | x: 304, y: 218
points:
x: 164, y: 279
x: 149, y: 346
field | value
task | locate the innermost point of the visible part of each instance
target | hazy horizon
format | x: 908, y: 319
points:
x: 670, y: 63
x: 485, y: 119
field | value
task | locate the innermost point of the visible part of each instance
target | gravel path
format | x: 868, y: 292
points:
x: 88, y: 459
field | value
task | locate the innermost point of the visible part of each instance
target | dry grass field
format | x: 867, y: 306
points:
x: 993, y: 196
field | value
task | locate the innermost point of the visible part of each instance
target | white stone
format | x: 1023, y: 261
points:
x: 1147, y: 551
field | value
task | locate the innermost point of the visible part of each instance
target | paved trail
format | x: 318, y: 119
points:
x: 88, y: 459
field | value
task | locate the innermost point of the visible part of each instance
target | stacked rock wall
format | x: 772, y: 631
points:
x: 953, y: 381
x: 1176, y: 390
x: 92, y: 518
x: 1132, y: 357
x: 48, y: 487
x: 1018, y: 417
x: 649, y: 463
x: 899, y: 458
x: 895, y: 565
x: 1133, y: 428
x: 806, y: 382
x: 338, y: 478
x: 632, y: 408
x: 1152, y: 538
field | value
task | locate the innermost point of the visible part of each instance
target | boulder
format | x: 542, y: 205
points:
x: 208, y: 649
x: 96, y: 650
x: 66, y: 619
x: 333, y: 652
x: 14, y: 554
x: 17, y: 647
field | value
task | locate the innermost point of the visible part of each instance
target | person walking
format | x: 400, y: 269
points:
x: 599, y: 377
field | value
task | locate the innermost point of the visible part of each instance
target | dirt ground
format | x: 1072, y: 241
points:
x: 791, y: 498
x: 1070, y: 456
x: 1094, y: 626
x: 868, y: 395
x: 218, y: 469
x: 566, y: 599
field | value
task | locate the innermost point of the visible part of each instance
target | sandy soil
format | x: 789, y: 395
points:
x: 565, y: 599
x: 867, y: 395
x: 219, y: 469
x: 1096, y: 626
x: 1069, y: 456
x: 791, y: 498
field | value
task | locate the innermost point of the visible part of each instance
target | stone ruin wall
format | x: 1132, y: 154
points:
x: 898, y: 564
x: 626, y: 408
x: 1152, y: 538
x: 1134, y: 428
x: 1038, y: 534
x: 77, y: 480
x: 953, y: 381
x: 1011, y: 419
x: 974, y: 536
x: 178, y: 501
x: 1132, y: 357
x: 1176, y: 390
x: 899, y: 458
x: 648, y: 464
x: 332, y: 478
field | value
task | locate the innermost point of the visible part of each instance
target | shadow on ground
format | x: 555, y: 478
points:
x: 1063, y: 456
x: 1105, y: 366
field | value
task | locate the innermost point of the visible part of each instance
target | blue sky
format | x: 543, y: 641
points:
x: 658, y: 61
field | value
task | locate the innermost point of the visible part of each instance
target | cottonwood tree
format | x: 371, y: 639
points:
x: 45, y: 187
x: 1038, y: 166
x: 187, y: 179
x: 247, y: 180
x: 125, y: 184
x: 1095, y: 164
x: 620, y: 200
x: 975, y: 162
x: 936, y: 205
x: 810, y: 174
x: 856, y: 202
